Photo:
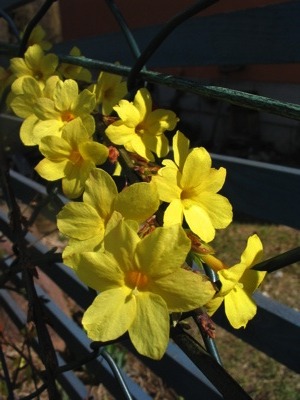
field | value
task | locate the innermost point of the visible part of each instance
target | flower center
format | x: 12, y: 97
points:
x: 108, y: 94
x: 37, y: 75
x: 75, y: 157
x: 67, y: 116
x: 136, y: 280
x: 140, y: 128
x: 184, y: 195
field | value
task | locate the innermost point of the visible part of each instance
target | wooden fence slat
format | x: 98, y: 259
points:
x: 265, y: 191
x: 9, y: 5
x: 69, y: 381
x: 275, y: 330
x: 272, y: 316
x: 174, y: 367
x: 267, y: 35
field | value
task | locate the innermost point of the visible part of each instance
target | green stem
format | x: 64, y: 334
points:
x: 242, y: 99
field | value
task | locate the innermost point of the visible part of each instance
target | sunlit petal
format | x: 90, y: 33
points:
x: 110, y: 315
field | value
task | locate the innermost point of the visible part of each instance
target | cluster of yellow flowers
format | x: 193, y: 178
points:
x: 137, y: 267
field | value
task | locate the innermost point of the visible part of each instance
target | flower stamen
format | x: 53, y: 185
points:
x: 67, y: 116
x: 137, y: 280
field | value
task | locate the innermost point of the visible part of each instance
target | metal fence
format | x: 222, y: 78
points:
x: 250, y: 185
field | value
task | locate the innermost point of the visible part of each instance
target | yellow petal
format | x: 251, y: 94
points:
x: 89, y: 123
x: 22, y: 105
x: 143, y: 102
x: 214, y: 181
x: 110, y: 315
x: 51, y: 170
x: 217, y: 207
x: 161, y: 120
x: 163, y: 251
x: 65, y: 94
x: 230, y: 277
x: 44, y: 109
x: 157, y: 144
x: 80, y: 246
x: 253, y: 251
x: 75, y: 178
x: 99, y: 270
x: 50, y: 127
x: 118, y: 133
x: 239, y: 308
x: 100, y: 192
x: 80, y: 221
x: 138, y: 146
x: 251, y: 280
x: 55, y: 148
x: 181, y: 146
x: 212, y: 306
x: 167, y: 184
x: 183, y: 290
x: 173, y: 213
x: 150, y: 329
x: 84, y: 103
x: 199, y: 222
x: 74, y: 132
x: 121, y: 241
x: 27, y: 129
x: 48, y: 65
x: 128, y: 113
x: 96, y: 152
x: 196, y: 168
x: 138, y: 201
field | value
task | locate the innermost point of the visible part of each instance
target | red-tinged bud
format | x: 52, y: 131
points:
x: 148, y: 226
x: 113, y: 154
x: 198, y: 246
x: 108, y: 119
x: 207, y: 324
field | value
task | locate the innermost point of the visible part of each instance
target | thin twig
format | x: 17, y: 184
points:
x: 9, y: 386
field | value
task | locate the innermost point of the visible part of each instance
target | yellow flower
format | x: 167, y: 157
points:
x: 37, y: 36
x: 238, y: 284
x: 36, y: 64
x: 70, y: 157
x: 140, y: 129
x: 22, y: 101
x: 52, y: 114
x: 140, y: 282
x: 190, y: 185
x: 109, y: 89
x: 86, y: 222
x: 25, y: 96
x: 75, y: 72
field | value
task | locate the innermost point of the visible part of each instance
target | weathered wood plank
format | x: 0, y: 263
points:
x: 175, y: 368
x: 69, y: 381
x: 265, y: 35
x: 265, y: 191
x: 275, y: 330
x: 9, y: 5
